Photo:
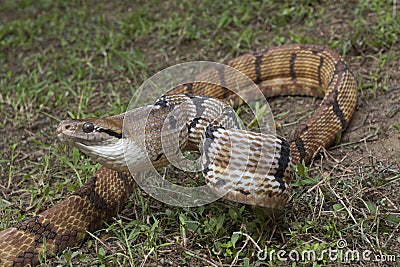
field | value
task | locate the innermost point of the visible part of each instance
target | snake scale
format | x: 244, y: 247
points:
x: 308, y: 70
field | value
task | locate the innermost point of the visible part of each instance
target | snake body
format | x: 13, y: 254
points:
x: 287, y: 70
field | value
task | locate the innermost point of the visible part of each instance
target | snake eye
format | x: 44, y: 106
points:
x: 88, y: 127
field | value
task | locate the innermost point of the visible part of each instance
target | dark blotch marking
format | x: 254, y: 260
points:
x: 332, y: 100
x: 207, y: 158
x: 222, y: 81
x: 221, y: 74
x: 124, y: 178
x: 221, y: 182
x: 340, y: 115
x: 296, y: 138
x: 89, y: 191
x: 193, y: 123
x: 198, y: 102
x: 189, y: 87
x: 321, y: 64
x: 210, y: 129
x: 257, y: 64
x: 226, y: 93
x: 340, y: 67
x: 162, y: 103
x: 159, y: 156
x: 206, y: 147
x: 291, y: 63
x: 244, y: 192
x: 300, y: 147
x: 283, y: 163
x: 110, y: 132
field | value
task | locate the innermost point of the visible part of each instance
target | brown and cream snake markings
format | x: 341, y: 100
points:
x: 288, y: 70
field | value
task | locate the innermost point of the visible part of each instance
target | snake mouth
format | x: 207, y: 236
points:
x: 68, y: 139
x: 63, y: 138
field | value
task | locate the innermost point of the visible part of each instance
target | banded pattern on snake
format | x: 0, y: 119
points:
x: 288, y: 70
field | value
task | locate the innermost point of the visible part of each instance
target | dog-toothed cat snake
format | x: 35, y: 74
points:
x: 267, y: 161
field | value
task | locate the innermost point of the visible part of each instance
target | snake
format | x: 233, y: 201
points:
x: 204, y: 122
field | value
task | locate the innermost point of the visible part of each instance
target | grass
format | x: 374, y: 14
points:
x: 79, y: 59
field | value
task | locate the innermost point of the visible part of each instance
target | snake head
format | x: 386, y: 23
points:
x: 90, y: 131
x: 100, y: 139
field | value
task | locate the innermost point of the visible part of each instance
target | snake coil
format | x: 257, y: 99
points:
x: 309, y: 70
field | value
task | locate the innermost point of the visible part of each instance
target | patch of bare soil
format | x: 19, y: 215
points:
x: 373, y: 124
